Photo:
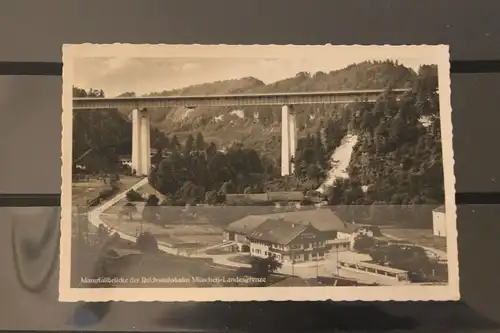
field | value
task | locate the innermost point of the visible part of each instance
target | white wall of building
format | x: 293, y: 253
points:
x: 239, y: 239
x: 344, y: 235
x: 341, y: 247
x: 258, y: 249
x: 351, y: 237
x: 439, y: 223
x: 263, y: 250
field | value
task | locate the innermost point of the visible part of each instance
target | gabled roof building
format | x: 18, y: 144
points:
x: 276, y: 234
x: 287, y: 241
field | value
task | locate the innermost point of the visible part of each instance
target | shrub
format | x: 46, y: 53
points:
x: 363, y: 243
x: 133, y: 195
x: 152, y: 200
x: 264, y: 267
x: 146, y: 242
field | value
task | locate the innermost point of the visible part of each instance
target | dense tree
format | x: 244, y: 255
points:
x: 264, y: 267
x: 397, y: 157
x: 189, y: 145
x: 175, y: 144
x: 133, y: 195
x: 200, y: 141
x: 146, y: 242
x: 185, y: 176
x: 334, y: 132
x: 363, y: 243
x: 215, y: 197
x: 101, y: 136
x: 395, y: 172
x: 97, y: 136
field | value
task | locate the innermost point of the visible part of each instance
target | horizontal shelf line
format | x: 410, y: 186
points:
x: 55, y: 68
x: 54, y: 199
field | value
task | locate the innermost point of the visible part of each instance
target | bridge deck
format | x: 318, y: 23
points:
x: 294, y: 98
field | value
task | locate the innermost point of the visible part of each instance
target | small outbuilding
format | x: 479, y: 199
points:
x: 439, y: 221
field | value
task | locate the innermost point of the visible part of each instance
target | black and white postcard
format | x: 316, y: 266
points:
x: 255, y: 173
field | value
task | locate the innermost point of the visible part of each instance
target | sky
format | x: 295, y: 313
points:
x: 116, y: 75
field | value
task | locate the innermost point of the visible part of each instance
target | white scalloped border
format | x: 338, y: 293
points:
x: 439, y: 54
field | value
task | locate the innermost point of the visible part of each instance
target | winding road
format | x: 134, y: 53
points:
x: 95, y: 214
x: 95, y: 219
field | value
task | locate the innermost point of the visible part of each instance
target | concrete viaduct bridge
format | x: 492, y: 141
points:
x: 141, y: 150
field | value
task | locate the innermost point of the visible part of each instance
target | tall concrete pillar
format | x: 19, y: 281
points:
x: 288, y: 139
x: 292, y: 133
x: 145, y: 151
x: 136, y: 141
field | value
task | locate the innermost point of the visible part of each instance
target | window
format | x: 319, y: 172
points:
x: 321, y: 253
x: 313, y: 254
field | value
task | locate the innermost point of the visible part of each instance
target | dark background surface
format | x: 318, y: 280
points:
x: 30, y: 146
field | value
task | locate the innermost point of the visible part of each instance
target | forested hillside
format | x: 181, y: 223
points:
x: 101, y: 136
x: 259, y: 127
x: 248, y: 123
x: 397, y: 158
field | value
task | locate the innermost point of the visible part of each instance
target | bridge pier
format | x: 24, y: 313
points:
x: 141, y: 142
x: 288, y: 139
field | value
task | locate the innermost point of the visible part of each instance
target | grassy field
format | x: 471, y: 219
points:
x: 181, y: 235
x: 217, y: 251
x: 84, y: 191
x: 148, y: 189
x: 184, y: 229
x: 204, y: 235
x: 88, y: 190
x: 159, y: 270
x: 241, y: 258
x: 422, y: 237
